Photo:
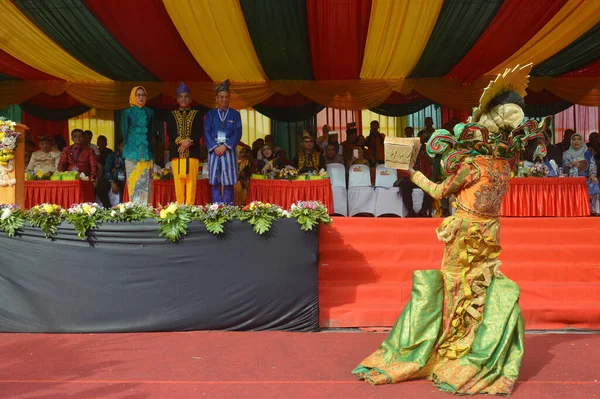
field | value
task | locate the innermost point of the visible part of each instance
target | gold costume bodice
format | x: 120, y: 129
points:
x: 484, y: 196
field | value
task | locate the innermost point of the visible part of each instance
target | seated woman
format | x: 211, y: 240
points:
x: 580, y: 157
x: 268, y: 158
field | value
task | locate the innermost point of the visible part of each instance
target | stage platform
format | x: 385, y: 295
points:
x: 366, y: 265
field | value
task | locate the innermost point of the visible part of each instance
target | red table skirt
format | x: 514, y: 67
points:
x: 63, y: 193
x: 285, y: 193
x: 547, y: 196
x: 163, y: 192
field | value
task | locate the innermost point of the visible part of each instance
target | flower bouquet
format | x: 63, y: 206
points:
x: 84, y: 217
x: 173, y: 221
x: 129, y: 212
x: 288, y: 172
x: 261, y: 215
x: 8, y: 142
x: 47, y: 217
x: 214, y: 216
x: 309, y: 214
x: 11, y: 219
x: 539, y: 170
x: 38, y: 175
x: 166, y: 174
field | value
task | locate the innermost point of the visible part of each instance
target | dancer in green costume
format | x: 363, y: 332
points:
x: 463, y: 328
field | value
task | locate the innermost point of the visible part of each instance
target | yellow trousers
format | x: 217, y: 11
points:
x: 185, y: 175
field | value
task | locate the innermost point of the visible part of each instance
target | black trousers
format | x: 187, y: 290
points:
x: 102, y: 191
x: 406, y: 188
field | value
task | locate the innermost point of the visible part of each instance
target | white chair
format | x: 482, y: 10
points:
x: 387, y: 200
x: 361, y: 195
x: 337, y: 176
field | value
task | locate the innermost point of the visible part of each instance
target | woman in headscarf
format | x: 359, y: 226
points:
x: 137, y: 129
x: 268, y: 157
x: 245, y: 166
x: 578, y: 156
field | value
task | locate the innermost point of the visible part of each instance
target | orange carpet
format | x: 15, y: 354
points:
x: 366, y: 265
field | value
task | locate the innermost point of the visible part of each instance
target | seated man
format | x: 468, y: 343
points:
x: 78, y: 157
x: 46, y: 158
x: 424, y: 165
x: 331, y: 155
x: 308, y: 160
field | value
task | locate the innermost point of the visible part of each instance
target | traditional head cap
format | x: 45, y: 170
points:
x: 43, y: 138
x: 306, y: 135
x: 182, y: 88
x: 223, y: 86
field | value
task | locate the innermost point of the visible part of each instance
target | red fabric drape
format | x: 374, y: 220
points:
x: 338, y: 32
x: 449, y: 113
x: 40, y: 126
x: 163, y: 193
x: 515, y: 23
x: 11, y: 66
x: 147, y: 32
x: 285, y: 193
x: 590, y: 70
x: 62, y: 101
x: 545, y: 196
x: 63, y: 193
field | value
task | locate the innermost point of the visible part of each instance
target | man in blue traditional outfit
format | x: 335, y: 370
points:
x: 222, y: 133
x: 184, y: 127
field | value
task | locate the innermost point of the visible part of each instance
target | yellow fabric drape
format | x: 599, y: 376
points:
x: 352, y: 95
x: 254, y: 125
x: 22, y: 39
x: 215, y: 32
x: 100, y: 122
x: 398, y: 34
x: 391, y: 126
x: 573, y: 20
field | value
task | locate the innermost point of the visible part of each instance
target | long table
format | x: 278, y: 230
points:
x: 285, y: 192
x: 547, y: 196
x: 63, y: 193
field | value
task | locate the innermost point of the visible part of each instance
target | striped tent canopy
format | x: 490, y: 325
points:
x: 289, y: 58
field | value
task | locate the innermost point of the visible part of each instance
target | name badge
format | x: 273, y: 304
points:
x: 75, y: 169
x: 120, y: 175
x: 221, y: 137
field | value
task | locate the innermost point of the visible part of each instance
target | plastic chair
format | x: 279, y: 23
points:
x: 387, y: 200
x: 337, y: 176
x: 361, y: 195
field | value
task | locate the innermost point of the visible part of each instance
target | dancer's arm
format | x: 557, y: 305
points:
x: 466, y: 174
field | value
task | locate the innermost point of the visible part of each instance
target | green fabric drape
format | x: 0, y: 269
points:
x: 12, y: 113
x: 542, y: 110
x: 286, y: 135
x: 463, y: 22
x: 279, y: 33
x: 76, y: 29
x: 292, y: 114
x: 54, y: 114
x: 578, y: 54
x: 401, y: 109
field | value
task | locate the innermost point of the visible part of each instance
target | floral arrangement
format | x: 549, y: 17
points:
x: 166, y: 174
x: 84, y: 217
x: 309, y: 214
x: 270, y: 170
x: 173, y: 221
x: 539, y: 170
x: 39, y: 175
x: 8, y: 141
x: 288, y: 172
x: 261, y: 215
x: 214, y: 216
x: 129, y: 212
x: 47, y: 217
x: 11, y: 219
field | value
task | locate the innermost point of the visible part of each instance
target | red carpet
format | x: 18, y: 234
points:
x: 366, y: 267
x: 254, y: 365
